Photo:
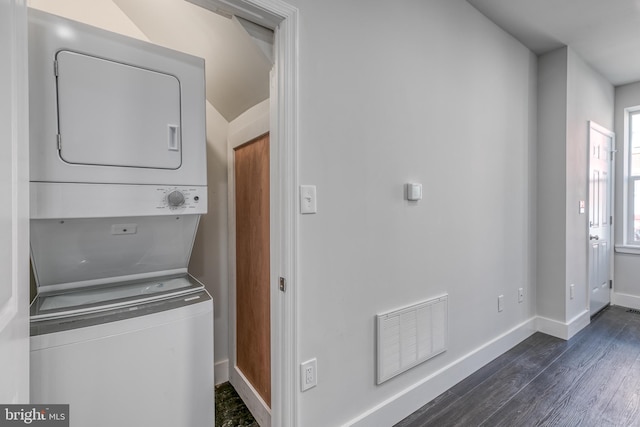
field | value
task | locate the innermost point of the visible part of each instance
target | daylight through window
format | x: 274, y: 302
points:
x: 633, y: 157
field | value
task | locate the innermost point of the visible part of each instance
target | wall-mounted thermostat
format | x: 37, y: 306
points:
x: 414, y: 192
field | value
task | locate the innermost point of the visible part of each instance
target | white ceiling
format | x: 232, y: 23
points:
x: 605, y: 33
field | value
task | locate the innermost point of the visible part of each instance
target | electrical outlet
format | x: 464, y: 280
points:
x: 500, y: 302
x: 572, y: 291
x: 308, y: 374
x: 520, y: 294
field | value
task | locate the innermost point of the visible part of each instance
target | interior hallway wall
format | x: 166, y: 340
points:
x: 429, y: 92
x: 552, y: 184
x: 570, y: 94
x: 590, y: 97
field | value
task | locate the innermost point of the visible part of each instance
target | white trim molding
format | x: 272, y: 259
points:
x: 283, y: 19
x: 284, y: 119
x: 221, y: 371
x: 625, y: 300
x: 258, y: 407
x: 627, y: 249
x: 394, y: 409
x: 563, y: 330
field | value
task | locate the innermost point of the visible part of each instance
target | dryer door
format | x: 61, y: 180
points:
x: 114, y: 114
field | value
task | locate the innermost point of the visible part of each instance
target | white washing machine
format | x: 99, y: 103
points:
x: 130, y: 363
x: 119, y: 330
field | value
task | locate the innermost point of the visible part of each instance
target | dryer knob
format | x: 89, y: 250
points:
x: 175, y: 198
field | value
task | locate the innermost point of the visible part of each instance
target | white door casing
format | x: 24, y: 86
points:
x: 14, y: 211
x: 600, y: 216
x: 283, y: 19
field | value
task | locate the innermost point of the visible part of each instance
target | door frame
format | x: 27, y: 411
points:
x: 14, y: 137
x: 593, y: 126
x: 283, y: 19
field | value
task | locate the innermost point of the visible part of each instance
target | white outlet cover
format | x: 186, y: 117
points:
x: 308, y: 374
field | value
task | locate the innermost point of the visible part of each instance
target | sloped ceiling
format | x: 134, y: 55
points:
x: 237, y: 72
x: 605, y: 33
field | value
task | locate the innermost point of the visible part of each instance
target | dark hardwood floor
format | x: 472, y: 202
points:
x: 591, y: 380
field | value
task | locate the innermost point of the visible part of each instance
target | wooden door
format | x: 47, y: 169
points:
x: 253, y: 316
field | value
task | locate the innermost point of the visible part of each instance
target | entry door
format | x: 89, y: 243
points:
x: 253, y: 312
x: 14, y: 215
x: 600, y: 215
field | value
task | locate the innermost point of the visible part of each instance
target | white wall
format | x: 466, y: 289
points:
x: 589, y: 97
x: 209, y: 256
x: 570, y: 94
x: 98, y: 13
x: 626, y: 284
x: 430, y: 92
x: 14, y: 212
x: 552, y: 189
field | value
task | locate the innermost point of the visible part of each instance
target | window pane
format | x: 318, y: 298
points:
x: 636, y: 211
x: 635, y: 144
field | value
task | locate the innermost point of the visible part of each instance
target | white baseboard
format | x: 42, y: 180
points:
x: 563, y: 330
x: 258, y: 408
x: 411, y: 399
x: 625, y: 300
x: 221, y: 371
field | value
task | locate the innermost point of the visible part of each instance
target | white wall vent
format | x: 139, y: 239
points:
x: 411, y: 335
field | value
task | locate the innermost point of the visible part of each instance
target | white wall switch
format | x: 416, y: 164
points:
x: 572, y: 291
x: 520, y: 294
x: 414, y: 192
x: 308, y: 374
x: 308, y: 202
x: 500, y: 302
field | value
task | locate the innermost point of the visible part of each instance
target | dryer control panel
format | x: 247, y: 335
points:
x: 179, y: 198
x: 81, y: 200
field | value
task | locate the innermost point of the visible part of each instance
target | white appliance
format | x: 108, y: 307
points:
x: 119, y: 330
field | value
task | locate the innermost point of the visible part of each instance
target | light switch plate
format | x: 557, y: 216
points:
x: 308, y: 202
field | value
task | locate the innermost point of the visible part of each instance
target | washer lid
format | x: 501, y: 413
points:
x: 79, y: 252
x: 129, y: 293
x: 114, y: 114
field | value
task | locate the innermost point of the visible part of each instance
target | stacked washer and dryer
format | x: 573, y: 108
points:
x: 119, y: 330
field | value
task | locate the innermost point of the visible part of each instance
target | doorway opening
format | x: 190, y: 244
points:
x: 283, y: 224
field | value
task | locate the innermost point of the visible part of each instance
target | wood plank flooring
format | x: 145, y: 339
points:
x: 591, y: 380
